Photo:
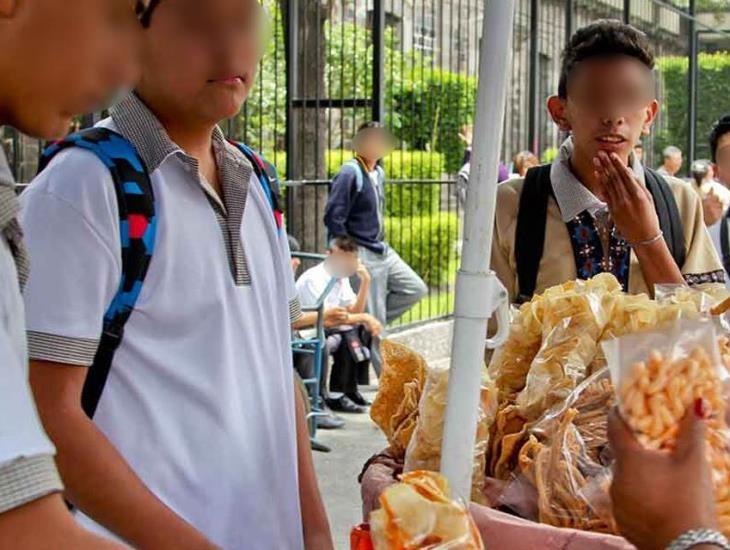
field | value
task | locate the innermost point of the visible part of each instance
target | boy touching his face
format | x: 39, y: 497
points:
x: 597, y: 208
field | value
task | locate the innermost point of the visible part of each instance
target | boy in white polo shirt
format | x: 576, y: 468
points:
x: 41, y: 85
x: 197, y: 423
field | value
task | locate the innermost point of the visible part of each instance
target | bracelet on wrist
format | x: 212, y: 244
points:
x: 647, y: 242
x: 697, y: 537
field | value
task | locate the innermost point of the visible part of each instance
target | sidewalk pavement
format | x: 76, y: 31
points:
x: 337, y: 471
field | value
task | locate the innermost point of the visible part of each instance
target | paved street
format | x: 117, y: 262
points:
x: 338, y: 470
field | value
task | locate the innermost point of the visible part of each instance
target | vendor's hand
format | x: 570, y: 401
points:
x: 362, y: 271
x: 629, y: 202
x: 335, y: 316
x: 659, y: 495
x: 712, y: 208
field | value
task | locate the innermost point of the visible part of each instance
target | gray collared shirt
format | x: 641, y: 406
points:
x: 571, y: 195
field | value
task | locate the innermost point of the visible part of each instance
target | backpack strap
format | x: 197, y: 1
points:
x: 725, y: 241
x: 359, y: 174
x: 530, y: 231
x: 138, y: 231
x: 264, y: 172
x: 667, y: 211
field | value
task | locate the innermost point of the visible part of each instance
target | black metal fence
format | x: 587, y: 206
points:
x: 333, y: 64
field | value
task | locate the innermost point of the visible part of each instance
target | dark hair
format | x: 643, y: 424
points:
x: 604, y: 38
x: 373, y: 124
x: 346, y: 244
x: 720, y: 128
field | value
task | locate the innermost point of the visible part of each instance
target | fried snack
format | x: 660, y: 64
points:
x: 418, y: 514
x: 403, y: 422
x: 655, y: 396
x: 562, y: 473
x: 721, y: 308
x: 395, y: 405
x: 508, y: 429
x: 424, y: 450
x: 511, y: 363
x: 560, y: 365
x: 723, y: 343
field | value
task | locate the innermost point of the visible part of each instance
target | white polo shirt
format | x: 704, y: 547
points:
x: 27, y: 470
x: 199, y: 399
x: 313, y: 283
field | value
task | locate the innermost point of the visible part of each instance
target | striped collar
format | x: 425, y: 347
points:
x: 571, y: 195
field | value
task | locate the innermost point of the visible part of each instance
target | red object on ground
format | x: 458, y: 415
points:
x: 360, y: 538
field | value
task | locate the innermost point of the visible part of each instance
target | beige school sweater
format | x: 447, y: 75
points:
x: 557, y: 266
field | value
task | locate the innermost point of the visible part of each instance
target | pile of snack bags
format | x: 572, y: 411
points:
x: 573, y: 352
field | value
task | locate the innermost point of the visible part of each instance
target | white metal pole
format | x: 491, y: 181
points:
x: 478, y: 292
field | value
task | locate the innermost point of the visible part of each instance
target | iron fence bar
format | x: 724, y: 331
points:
x: 569, y: 23
x: 292, y: 68
x: 627, y: 11
x: 534, y: 105
x: 693, y: 81
x: 378, y: 23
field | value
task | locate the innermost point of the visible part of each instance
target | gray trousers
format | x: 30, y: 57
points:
x: 394, y: 289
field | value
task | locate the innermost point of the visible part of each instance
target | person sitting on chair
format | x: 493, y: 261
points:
x: 349, y: 341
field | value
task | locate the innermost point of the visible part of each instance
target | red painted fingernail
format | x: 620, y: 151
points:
x: 701, y: 408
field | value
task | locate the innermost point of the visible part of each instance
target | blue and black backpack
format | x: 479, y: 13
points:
x: 138, y: 231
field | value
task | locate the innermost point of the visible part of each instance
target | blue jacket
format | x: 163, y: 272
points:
x: 356, y: 207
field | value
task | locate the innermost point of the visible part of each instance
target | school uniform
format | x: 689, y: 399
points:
x: 574, y: 247
x: 27, y: 469
x: 199, y: 399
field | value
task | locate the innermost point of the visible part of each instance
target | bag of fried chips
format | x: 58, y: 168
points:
x: 396, y: 406
x: 424, y: 450
x: 561, y: 471
x: 659, y: 376
x: 418, y: 513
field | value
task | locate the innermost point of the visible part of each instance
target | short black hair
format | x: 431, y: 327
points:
x: 344, y: 243
x: 372, y: 124
x: 720, y: 128
x: 604, y: 38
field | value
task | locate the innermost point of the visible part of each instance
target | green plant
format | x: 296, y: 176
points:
x: 549, y: 155
x: 433, y: 105
x: 713, y: 94
x: 428, y: 244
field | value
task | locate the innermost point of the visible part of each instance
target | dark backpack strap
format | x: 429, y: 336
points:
x: 725, y: 241
x: 264, y: 171
x: 530, y: 231
x: 138, y: 230
x: 667, y: 211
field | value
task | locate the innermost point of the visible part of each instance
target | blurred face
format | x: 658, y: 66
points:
x: 342, y: 264
x: 199, y: 59
x: 63, y: 58
x: 722, y: 166
x: 373, y: 144
x: 673, y: 163
x: 610, y: 104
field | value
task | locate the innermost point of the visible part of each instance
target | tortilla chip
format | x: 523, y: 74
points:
x: 400, y: 367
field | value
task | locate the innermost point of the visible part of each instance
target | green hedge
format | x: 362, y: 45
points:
x: 399, y: 165
x: 713, y: 99
x: 428, y: 244
x: 432, y: 107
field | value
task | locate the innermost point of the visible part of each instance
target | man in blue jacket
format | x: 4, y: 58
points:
x: 356, y: 209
